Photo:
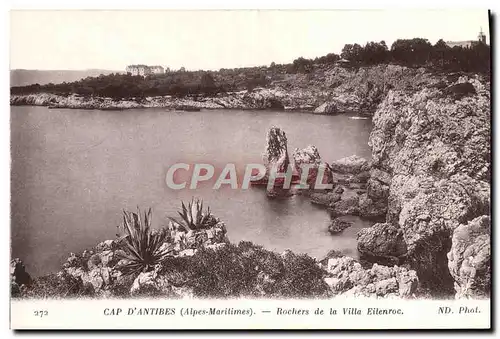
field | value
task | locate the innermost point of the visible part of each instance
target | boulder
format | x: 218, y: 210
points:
x: 338, y: 226
x: 326, y: 108
x: 371, y: 209
x: 150, y: 284
x: 429, y: 214
x: 469, y: 259
x: 346, y: 206
x: 330, y: 255
x: 377, y: 190
x: 383, y: 243
x: 360, y: 178
x: 310, y: 156
x: 350, y: 165
x: 324, y: 198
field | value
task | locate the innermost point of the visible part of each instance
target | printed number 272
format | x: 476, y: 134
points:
x: 41, y: 313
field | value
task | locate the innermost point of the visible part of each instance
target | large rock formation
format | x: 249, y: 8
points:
x: 469, y: 259
x: 276, y: 152
x: 436, y: 148
x: 276, y: 160
x: 310, y: 157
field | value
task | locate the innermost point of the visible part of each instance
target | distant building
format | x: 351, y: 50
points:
x: 144, y: 70
x: 481, y: 38
x: 157, y: 69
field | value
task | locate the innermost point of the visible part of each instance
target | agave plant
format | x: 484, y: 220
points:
x: 193, y: 218
x: 144, y: 248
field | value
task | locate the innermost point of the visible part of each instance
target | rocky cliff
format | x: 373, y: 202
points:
x: 433, y: 148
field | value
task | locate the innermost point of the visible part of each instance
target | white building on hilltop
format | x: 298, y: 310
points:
x: 157, y: 69
x: 144, y: 70
x: 481, y: 39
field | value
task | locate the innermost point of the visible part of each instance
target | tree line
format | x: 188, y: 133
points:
x: 415, y: 52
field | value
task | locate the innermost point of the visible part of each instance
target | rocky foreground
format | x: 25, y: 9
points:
x: 206, y: 264
x: 427, y: 189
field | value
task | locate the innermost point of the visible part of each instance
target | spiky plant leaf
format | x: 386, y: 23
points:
x: 192, y: 216
x: 143, y: 249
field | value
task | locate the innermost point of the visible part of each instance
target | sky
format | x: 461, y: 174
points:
x: 86, y: 39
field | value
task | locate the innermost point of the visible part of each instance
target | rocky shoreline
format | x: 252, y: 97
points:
x: 329, y: 90
x: 258, y: 99
x: 427, y: 187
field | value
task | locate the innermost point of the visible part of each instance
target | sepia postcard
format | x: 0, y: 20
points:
x: 250, y: 169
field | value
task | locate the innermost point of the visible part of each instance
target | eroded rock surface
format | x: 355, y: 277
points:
x: 347, y: 277
x: 469, y: 259
x: 435, y: 149
x: 382, y: 242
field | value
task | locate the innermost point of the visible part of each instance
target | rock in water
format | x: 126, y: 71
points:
x: 351, y: 165
x: 276, y: 153
x: 276, y: 159
x: 347, y: 206
x: 310, y: 156
x: 326, y: 108
x: 469, y: 259
x: 324, y: 198
x: 338, y: 226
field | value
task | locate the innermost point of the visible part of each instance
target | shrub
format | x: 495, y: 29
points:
x: 62, y: 285
x: 143, y: 248
x: 193, y: 218
x: 250, y: 270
